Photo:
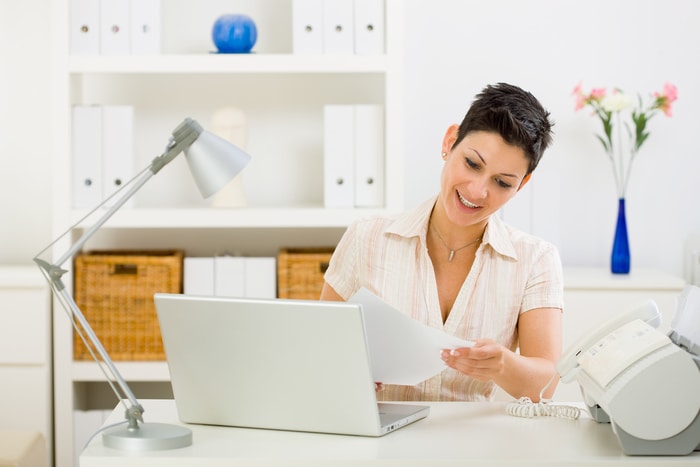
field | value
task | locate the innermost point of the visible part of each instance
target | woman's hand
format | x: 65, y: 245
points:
x: 378, y: 386
x: 484, y: 361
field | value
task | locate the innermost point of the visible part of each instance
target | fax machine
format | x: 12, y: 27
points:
x: 643, y: 382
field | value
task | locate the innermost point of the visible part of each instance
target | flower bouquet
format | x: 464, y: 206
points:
x: 618, y: 112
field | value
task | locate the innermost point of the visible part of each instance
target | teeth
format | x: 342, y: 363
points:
x: 465, y: 202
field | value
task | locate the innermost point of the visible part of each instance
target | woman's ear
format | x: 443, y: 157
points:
x: 526, y: 179
x: 449, y: 139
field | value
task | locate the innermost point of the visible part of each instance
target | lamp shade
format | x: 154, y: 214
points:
x: 214, y: 162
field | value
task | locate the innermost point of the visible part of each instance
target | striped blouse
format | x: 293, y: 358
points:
x: 513, y: 272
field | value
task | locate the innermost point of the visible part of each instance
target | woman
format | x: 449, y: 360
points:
x: 452, y: 264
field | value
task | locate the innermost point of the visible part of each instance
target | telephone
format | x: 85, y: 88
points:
x: 640, y: 380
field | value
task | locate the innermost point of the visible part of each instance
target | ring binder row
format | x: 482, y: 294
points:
x: 124, y: 27
x: 115, y: 27
x: 342, y: 27
x: 231, y: 276
x: 103, y: 152
x: 353, y: 156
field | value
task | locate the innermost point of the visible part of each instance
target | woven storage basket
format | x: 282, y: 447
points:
x: 300, y: 272
x: 114, y: 290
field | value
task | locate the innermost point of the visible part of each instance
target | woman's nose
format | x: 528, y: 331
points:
x: 478, y: 189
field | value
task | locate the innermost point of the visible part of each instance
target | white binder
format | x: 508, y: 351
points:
x: 198, y: 276
x: 307, y: 26
x: 117, y: 148
x: 338, y: 156
x: 84, y: 27
x: 369, y: 156
x: 338, y: 27
x: 369, y: 27
x: 145, y: 27
x: 115, y: 36
x: 229, y: 276
x: 87, y: 156
x: 261, y: 277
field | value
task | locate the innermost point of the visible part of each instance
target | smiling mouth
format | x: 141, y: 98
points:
x: 464, y: 201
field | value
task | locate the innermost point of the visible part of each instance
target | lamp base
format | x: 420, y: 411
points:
x: 147, y: 437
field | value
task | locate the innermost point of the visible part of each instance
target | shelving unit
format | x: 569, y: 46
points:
x: 282, y: 95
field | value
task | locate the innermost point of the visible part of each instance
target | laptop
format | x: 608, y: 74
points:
x: 282, y: 364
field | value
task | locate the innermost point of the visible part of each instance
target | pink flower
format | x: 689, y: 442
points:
x: 667, y: 98
x: 583, y: 99
x: 597, y: 93
x: 580, y: 101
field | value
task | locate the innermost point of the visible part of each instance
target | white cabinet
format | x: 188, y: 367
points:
x: 282, y: 96
x: 25, y: 351
x: 593, y: 296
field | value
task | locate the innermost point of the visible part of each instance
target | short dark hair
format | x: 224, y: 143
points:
x: 515, y: 114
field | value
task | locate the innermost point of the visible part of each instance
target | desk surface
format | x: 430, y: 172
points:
x: 455, y: 433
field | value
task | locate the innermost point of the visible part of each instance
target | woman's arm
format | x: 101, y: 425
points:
x: 519, y: 374
x: 328, y: 293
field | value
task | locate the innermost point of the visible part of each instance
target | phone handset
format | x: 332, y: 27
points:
x: 567, y: 366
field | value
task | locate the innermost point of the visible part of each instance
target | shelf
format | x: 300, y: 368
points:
x: 229, y: 63
x: 582, y: 278
x: 131, y: 371
x: 203, y: 218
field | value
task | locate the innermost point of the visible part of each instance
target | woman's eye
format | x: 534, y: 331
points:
x: 503, y: 184
x: 471, y: 163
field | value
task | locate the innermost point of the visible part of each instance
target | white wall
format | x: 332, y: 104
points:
x: 454, y: 48
x: 25, y: 174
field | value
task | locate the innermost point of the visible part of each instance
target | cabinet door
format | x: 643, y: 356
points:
x: 586, y: 309
x: 25, y: 398
x: 24, y: 327
x: 25, y: 371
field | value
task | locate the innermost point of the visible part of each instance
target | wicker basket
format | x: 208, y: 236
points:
x: 300, y: 272
x: 114, y: 290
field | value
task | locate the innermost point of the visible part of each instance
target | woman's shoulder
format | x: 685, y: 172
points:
x: 371, y: 226
x: 522, y: 241
x: 518, y: 236
x: 405, y: 224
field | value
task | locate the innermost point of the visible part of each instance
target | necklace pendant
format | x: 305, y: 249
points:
x: 452, y: 255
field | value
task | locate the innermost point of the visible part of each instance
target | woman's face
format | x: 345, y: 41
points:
x: 480, y: 175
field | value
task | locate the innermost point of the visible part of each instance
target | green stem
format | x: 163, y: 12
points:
x: 619, y: 164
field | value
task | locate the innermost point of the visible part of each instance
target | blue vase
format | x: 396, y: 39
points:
x: 234, y: 34
x: 620, y: 258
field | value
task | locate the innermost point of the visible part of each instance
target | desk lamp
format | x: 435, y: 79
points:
x: 213, y: 162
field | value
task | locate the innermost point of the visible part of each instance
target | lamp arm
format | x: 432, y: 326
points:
x: 135, y: 409
x: 183, y: 137
x: 54, y: 274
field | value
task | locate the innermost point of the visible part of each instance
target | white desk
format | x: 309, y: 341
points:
x: 453, y: 434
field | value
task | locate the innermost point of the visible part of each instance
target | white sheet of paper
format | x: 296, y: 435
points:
x: 686, y: 319
x: 402, y: 350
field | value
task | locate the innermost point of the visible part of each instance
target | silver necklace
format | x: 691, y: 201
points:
x: 452, y: 251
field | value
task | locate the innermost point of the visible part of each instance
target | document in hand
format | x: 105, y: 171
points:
x: 402, y: 350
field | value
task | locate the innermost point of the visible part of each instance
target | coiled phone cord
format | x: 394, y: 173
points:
x: 524, y: 407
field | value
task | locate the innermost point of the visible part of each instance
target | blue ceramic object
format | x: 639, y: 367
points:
x: 620, y: 258
x: 234, y: 34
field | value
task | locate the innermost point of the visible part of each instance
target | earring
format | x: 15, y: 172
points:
x: 444, y: 154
